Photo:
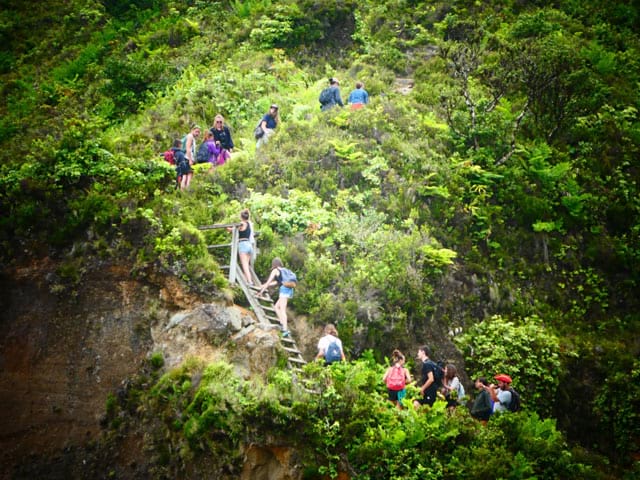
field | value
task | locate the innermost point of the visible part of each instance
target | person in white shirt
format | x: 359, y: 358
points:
x: 330, y: 346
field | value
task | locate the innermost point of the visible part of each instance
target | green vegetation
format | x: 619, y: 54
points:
x: 341, y: 422
x: 500, y: 197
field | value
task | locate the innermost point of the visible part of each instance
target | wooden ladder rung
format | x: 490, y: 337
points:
x: 297, y: 360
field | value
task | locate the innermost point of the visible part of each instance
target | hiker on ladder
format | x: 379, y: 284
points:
x: 287, y: 281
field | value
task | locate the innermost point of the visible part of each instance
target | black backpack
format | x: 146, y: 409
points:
x: 438, y: 372
x: 514, y: 404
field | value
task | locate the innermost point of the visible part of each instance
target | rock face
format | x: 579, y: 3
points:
x: 215, y: 332
x: 65, y: 347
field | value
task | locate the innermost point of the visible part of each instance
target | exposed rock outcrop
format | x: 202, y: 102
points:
x: 65, y: 347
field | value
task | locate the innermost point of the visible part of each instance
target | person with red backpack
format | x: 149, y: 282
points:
x: 179, y: 160
x: 396, y: 378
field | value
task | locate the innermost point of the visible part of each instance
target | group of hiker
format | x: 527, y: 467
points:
x: 442, y: 381
x: 437, y: 380
x: 215, y: 149
x: 330, y: 96
x: 217, y: 145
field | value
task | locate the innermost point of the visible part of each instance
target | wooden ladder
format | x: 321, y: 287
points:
x: 263, y: 306
x: 265, y: 311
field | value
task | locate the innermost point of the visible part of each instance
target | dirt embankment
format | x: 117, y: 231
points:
x: 64, y: 348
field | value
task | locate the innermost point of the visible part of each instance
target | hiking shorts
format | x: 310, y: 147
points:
x: 396, y: 395
x: 286, y: 292
x: 429, y: 397
x: 245, y: 247
x: 184, y: 168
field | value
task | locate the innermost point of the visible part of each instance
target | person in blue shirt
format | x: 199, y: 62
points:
x: 359, y: 97
x: 330, y: 96
x: 269, y: 122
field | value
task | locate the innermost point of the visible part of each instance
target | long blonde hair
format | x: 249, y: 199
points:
x: 216, y: 118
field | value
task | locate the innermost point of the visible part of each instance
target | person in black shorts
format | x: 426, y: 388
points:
x: 428, y: 386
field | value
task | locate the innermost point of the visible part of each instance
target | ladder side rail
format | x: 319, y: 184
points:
x: 253, y: 301
x: 233, y: 263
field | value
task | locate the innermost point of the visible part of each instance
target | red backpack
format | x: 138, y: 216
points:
x: 169, y: 157
x: 396, y: 379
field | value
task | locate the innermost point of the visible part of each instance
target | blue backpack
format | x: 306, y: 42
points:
x: 333, y: 353
x: 202, y: 156
x: 325, y: 96
x: 288, y: 278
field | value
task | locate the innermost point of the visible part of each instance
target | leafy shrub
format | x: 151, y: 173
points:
x: 526, y: 350
x: 340, y: 422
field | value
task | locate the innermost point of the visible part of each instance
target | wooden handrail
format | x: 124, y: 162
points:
x: 219, y: 225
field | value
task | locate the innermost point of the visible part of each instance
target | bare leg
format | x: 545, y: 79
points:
x: 186, y: 179
x: 281, y: 311
x: 245, y: 258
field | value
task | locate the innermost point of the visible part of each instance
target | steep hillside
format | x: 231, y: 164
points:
x: 491, y: 210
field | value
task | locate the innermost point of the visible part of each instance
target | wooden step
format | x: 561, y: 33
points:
x: 301, y: 361
x: 292, y: 350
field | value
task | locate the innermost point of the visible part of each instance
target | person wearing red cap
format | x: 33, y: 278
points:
x: 500, y: 395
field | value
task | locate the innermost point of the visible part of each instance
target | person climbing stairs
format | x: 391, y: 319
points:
x: 262, y: 305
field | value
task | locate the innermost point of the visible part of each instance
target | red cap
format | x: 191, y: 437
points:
x: 503, y: 378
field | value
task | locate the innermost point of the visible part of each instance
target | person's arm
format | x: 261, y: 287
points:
x: 407, y: 376
x: 428, y: 383
x: 263, y: 125
x: 366, y: 96
x: 338, y: 98
x: 270, y: 281
x: 493, y: 393
x: 228, y: 132
x: 189, y: 147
